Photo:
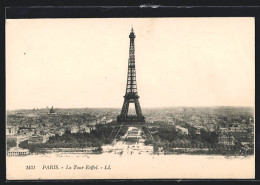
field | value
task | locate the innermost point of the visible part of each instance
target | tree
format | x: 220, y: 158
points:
x: 10, y: 143
x: 99, y: 149
x: 24, y: 144
x: 155, y: 148
x: 148, y: 142
x: 238, y: 146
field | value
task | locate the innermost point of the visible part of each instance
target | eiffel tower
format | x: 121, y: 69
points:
x: 131, y: 96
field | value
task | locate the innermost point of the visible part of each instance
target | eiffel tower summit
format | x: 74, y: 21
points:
x: 131, y: 94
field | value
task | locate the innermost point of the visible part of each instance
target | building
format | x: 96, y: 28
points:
x: 35, y: 139
x: 16, y: 151
x: 52, y: 110
x: 198, y: 129
x: 226, y: 139
x: 237, y: 129
x: 182, y: 130
x: 74, y: 129
x: 60, y: 131
x: 11, y: 130
x: 133, y: 133
x: 108, y: 121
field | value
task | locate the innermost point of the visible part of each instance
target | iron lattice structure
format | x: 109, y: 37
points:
x: 131, y: 95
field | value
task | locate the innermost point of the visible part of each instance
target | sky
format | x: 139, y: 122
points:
x: 78, y: 63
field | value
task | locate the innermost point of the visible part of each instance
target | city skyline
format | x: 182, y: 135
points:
x: 80, y: 63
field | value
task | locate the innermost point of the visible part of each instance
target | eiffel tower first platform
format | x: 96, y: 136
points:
x: 124, y: 120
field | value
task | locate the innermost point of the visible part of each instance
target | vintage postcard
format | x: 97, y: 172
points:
x: 130, y: 98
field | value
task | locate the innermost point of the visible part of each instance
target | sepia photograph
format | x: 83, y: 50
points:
x: 130, y: 98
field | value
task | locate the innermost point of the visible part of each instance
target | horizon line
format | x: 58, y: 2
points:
x: 159, y: 107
